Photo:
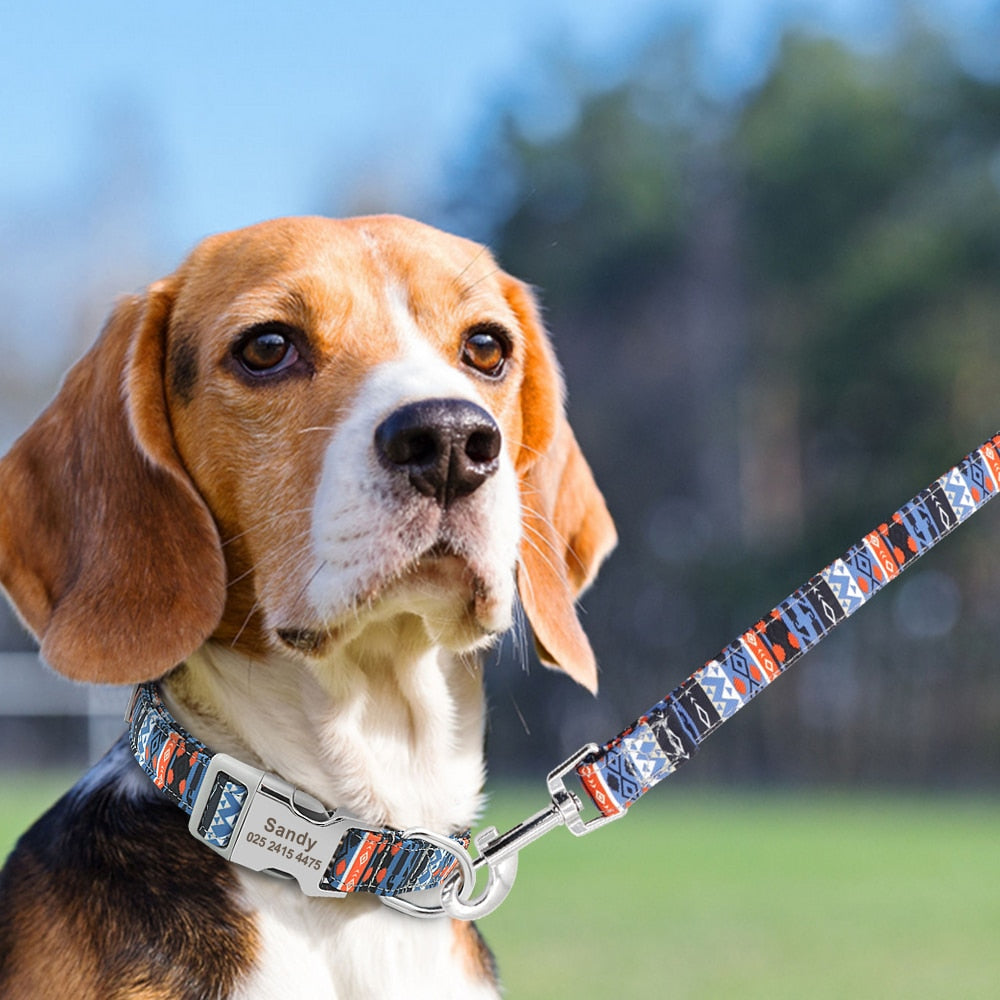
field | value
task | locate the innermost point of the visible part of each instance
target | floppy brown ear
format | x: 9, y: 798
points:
x: 107, y: 551
x: 567, y: 530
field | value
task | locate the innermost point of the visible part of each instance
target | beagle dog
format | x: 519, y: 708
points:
x: 293, y: 491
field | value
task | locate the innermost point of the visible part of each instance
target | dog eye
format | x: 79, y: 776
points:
x: 486, y: 348
x: 266, y: 350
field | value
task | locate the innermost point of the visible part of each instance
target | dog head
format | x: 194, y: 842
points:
x: 310, y: 427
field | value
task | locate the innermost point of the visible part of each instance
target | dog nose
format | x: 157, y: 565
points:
x: 447, y: 447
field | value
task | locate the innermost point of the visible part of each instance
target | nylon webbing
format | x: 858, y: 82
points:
x: 670, y: 733
x: 385, y: 862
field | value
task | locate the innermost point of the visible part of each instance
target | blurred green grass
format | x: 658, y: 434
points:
x: 751, y: 895
x: 767, y: 895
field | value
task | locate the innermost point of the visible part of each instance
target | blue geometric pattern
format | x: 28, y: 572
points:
x: 922, y: 527
x: 383, y: 862
x: 975, y: 470
x: 232, y: 795
x: 956, y: 489
x: 845, y: 588
x: 386, y: 863
x: 657, y: 743
x: 719, y: 688
x: 174, y: 760
x: 865, y: 569
x: 801, y: 619
x: 649, y: 762
x: 742, y: 671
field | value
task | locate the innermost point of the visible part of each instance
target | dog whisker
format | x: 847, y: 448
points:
x: 457, y: 280
x: 470, y: 287
x: 265, y: 522
x: 519, y: 446
x: 301, y: 595
x: 520, y: 715
x: 564, y: 542
x: 293, y: 542
x: 548, y: 554
x: 521, y: 637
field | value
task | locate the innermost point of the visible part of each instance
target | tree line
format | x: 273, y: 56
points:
x: 778, y: 317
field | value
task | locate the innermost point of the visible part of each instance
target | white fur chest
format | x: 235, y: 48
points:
x: 392, y: 738
x: 356, y: 949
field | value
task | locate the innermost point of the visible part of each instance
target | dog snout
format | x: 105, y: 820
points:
x: 447, y: 448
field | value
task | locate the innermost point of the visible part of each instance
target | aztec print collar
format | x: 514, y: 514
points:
x: 260, y: 821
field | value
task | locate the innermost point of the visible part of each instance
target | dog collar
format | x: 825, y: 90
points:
x: 260, y: 821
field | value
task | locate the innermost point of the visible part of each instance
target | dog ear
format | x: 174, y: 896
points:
x: 567, y: 530
x: 107, y: 551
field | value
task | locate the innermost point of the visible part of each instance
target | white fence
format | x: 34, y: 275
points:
x: 29, y: 688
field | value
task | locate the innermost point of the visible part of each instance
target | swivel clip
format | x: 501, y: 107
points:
x: 497, y: 852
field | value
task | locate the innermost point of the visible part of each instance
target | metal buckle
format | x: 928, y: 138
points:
x: 284, y: 831
x: 498, y: 852
x: 130, y: 707
x: 280, y: 830
x: 569, y: 805
x: 465, y: 872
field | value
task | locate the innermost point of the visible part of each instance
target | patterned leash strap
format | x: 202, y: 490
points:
x: 668, y: 735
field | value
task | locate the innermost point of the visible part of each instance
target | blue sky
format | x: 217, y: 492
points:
x: 259, y: 109
x: 236, y: 112
x: 253, y: 110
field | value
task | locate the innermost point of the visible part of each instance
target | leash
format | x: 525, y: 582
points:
x: 258, y: 820
x: 616, y: 775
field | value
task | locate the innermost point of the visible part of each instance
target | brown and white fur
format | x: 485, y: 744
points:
x: 221, y: 495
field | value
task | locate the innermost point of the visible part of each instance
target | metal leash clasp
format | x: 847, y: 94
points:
x: 497, y: 852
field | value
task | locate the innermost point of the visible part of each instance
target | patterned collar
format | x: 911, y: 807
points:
x: 259, y: 821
